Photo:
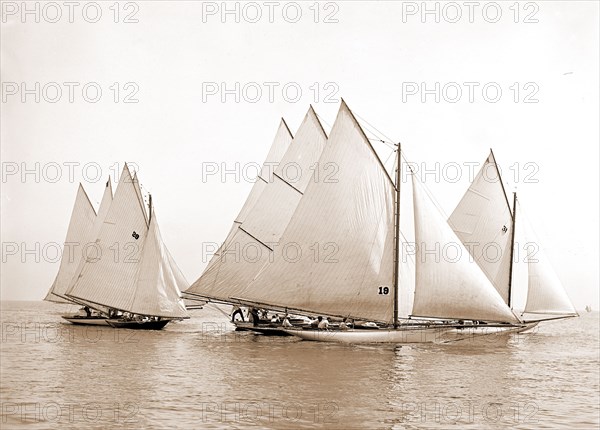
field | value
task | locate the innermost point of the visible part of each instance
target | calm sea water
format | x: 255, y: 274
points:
x: 201, y: 374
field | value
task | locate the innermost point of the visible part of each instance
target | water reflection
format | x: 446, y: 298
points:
x: 201, y: 374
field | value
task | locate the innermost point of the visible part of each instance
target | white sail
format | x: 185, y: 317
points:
x: 107, y: 198
x: 281, y: 143
x: 406, y: 272
x: 108, y: 279
x: 545, y: 292
x: 335, y: 256
x: 274, y: 208
x: 158, y: 280
x: 79, y: 233
x: 480, y: 220
x: 91, y: 250
x: 138, y: 192
x: 483, y: 222
x: 448, y: 284
x: 128, y: 274
x: 251, y: 243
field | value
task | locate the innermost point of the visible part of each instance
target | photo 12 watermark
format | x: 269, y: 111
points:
x: 491, y: 252
x: 65, y: 171
x: 92, y: 413
x: 235, y: 12
x: 54, y: 12
x: 452, y: 12
x: 470, y: 92
x: 452, y: 172
x: 69, y: 92
x: 262, y: 413
x: 469, y: 412
x: 291, y: 172
x: 35, y: 332
x: 115, y: 253
x: 270, y: 92
x: 259, y: 252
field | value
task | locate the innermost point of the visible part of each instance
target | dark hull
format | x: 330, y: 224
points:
x: 265, y: 329
x: 138, y: 325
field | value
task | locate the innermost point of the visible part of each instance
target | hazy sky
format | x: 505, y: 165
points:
x: 178, y: 57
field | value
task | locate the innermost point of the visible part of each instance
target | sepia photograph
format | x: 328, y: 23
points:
x: 300, y: 214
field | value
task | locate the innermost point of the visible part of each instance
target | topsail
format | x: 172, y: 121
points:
x: 280, y: 144
x: 80, y: 233
x: 253, y: 241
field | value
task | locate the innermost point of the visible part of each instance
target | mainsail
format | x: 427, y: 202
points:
x: 483, y: 222
x: 133, y: 271
x: 79, y: 233
x: 254, y: 239
x: 335, y: 256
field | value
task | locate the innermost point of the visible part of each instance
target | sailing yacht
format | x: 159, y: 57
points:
x: 132, y: 278
x: 360, y: 213
x: 344, y: 236
x: 485, y: 219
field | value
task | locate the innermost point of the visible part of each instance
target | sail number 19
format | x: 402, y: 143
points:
x: 384, y: 290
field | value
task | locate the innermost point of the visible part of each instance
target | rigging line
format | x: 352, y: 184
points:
x: 389, y: 146
x: 533, y: 236
x: 433, y: 199
x: 323, y: 121
x: 389, y: 156
x: 375, y: 128
x: 214, y: 305
x: 403, y: 236
x: 385, y: 142
x: 501, y: 179
x: 389, y: 142
x: 425, y: 188
x: 377, y: 137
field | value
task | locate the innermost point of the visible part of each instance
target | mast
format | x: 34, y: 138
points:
x: 512, y: 248
x: 397, y: 235
x: 512, y: 234
x: 500, y: 178
x: 149, y: 207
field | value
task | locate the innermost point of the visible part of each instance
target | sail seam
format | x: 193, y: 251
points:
x: 255, y: 238
x: 286, y: 182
